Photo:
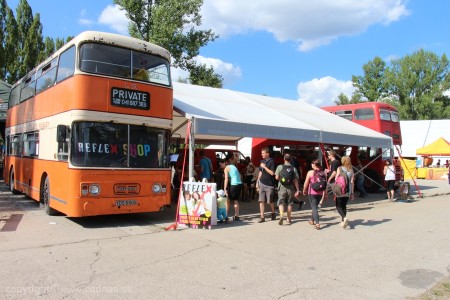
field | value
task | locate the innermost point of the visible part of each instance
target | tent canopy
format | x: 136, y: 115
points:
x: 438, y: 147
x: 219, y: 115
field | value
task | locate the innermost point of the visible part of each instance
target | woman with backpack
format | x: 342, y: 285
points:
x: 314, y: 187
x: 342, y: 199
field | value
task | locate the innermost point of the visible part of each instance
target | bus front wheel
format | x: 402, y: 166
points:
x: 12, y: 188
x: 45, y: 198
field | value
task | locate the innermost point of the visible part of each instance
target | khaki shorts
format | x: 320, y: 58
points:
x: 265, y: 193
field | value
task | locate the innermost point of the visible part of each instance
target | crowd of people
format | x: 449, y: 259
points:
x: 275, y: 191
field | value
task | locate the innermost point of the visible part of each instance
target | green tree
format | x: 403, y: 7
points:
x: 172, y: 24
x: 49, y: 48
x: 2, y: 36
x: 417, y: 84
x: 372, y: 85
x: 205, y: 76
x: 343, y: 99
x: 10, y: 63
x: 34, y: 46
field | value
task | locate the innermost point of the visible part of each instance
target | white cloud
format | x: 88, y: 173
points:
x: 229, y: 72
x: 311, y: 24
x: 115, y: 18
x: 323, y: 91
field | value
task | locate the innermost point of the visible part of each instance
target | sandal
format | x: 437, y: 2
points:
x: 317, y: 226
x: 311, y: 222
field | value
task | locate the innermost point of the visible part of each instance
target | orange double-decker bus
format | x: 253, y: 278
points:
x: 88, y: 130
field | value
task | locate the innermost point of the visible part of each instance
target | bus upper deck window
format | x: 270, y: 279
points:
x: 385, y: 115
x: 364, y: 114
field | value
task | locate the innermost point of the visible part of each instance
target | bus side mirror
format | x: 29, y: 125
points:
x: 61, y: 132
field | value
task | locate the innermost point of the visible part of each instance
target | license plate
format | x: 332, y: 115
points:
x: 126, y: 202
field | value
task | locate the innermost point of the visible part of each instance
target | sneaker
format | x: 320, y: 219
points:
x: 236, y: 218
x: 288, y: 221
x: 226, y: 220
x: 280, y: 222
x: 345, y: 223
x: 261, y: 220
x: 220, y: 221
x: 274, y: 216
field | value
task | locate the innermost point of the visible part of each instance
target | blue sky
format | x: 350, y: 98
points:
x: 293, y: 49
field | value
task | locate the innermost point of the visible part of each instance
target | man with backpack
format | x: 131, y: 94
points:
x: 288, y: 187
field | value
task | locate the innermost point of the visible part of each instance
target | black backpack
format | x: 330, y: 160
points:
x: 320, y: 181
x: 287, y: 175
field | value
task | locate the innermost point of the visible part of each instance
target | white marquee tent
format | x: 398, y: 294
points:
x: 225, y: 115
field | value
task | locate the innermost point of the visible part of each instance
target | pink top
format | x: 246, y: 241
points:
x: 310, y: 190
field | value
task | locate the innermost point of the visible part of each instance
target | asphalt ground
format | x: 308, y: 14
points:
x: 391, y: 250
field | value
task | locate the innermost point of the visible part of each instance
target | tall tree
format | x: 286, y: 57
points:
x: 372, y: 85
x: 10, y: 64
x: 205, y: 76
x: 172, y: 24
x: 417, y: 84
x: 24, y: 22
x: 2, y: 36
x: 49, y: 48
x: 33, y: 46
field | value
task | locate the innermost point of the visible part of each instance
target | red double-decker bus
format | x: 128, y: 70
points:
x: 377, y: 116
x: 381, y: 117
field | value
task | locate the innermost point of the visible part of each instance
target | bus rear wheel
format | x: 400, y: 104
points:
x: 45, y: 198
x: 12, y: 188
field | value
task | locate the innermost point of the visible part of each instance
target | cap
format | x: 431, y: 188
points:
x: 221, y: 193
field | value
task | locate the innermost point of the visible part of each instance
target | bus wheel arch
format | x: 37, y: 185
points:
x: 373, y: 184
x: 12, y: 188
x: 44, y: 196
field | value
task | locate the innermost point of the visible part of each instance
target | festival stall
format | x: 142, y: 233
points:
x: 440, y: 147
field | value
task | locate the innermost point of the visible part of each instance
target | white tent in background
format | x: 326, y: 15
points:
x: 218, y: 115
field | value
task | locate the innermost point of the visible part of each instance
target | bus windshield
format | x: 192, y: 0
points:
x: 119, y: 62
x: 119, y: 146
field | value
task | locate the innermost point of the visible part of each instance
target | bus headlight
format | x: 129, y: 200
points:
x: 94, y: 189
x: 156, y: 188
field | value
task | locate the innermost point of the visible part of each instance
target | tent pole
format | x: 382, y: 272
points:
x: 191, y: 150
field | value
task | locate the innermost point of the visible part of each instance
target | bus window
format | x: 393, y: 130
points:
x: 66, y: 66
x: 346, y: 114
x: 385, y: 115
x: 125, y: 63
x: 31, y: 144
x: 46, y: 76
x: 364, y: 114
x: 394, y: 116
x: 105, y: 59
x: 14, y: 97
x: 150, y: 68
x: 15, y: 145
x: 118, y: 146
x: 27, y: 89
